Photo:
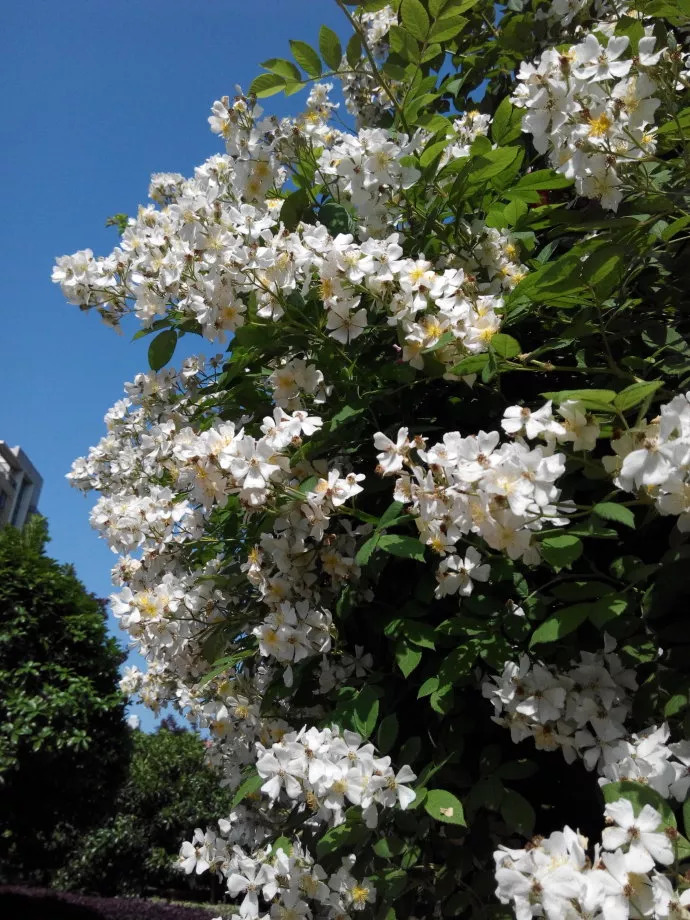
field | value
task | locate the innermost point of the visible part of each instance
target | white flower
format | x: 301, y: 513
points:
x: 640, y: 833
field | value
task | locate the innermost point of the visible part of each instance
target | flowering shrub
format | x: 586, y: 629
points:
x: 422, y: 524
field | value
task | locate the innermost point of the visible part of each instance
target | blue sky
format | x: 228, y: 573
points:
x: 97, y: 96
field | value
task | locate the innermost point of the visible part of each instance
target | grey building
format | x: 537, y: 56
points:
x: 20, y: 486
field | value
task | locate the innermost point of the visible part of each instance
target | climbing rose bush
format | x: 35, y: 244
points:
x: 412, y: 545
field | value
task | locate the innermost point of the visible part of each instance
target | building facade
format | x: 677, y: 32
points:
x: 20, y: 486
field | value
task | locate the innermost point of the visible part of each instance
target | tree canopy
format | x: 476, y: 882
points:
x: 63, y: 739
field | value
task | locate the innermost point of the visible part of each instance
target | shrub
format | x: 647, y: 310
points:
x: 423, y: 524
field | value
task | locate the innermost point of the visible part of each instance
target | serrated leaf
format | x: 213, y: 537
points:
x: 432, y: 152
x: 610, y: 511
x: 387, y: 733
x: 364, y: 552
x: 366, y: 711
x: 517, y: 813
x: 561, y: 624
x: 267, y: 84
x: 345, y: 414
x: 391, y: 514
x: 470, y: 365
x: 505, y: 346
x: 429, y: 686
x: 561, y: 549
x: 542, y: 180
x: 293, y: 208
x: 353, y: 52
x: 596, y: 400
x: 444, y: 806
x: 419, y: 633
x: 306, y: 57
x: 447, y: 27
x: 635, y: 394
x: 248, y: 787
x: 407, y: 657
x: 389, y: 846
x: 335, y: 217
x: 405, y: 547
x: 415, y: 19
x: 506, y: 123
x: 330, y: 47
x: 283, y: 68
x: 161, y: 349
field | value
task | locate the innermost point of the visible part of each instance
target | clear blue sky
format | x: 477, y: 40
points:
x: 97, y: 95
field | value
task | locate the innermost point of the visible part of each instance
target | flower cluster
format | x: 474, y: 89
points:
x: 325, y: 770
x: 555, y: 878
x: 591, y: 109
x: 647, y: 758
x: 462, y: 486
x: 582, y: 710
x: 285, y: 879
x: 654, y: 460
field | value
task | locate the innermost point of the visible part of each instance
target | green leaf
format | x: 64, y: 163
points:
x: 293, y: 208
x: 353, y: 52
x: 606, y: 609
x: 676, y: 704
x: 405, y: 547
x: 640, y: 796
x: 517, y: 813
x: 561, y: 549
x: 403, y: 44
x: 391, y: 514
x: 335, y: 217
x: 611, y: 511
x: 458, y: 663
x: 306, y: 57
x: 283, y: 68
x: 604, y: 269
x: 387, y: 733
x: 389, y: 846
x: 248, y: 787
x: 505, y: 345
x: 364, y: 552
x: 492, y: 163
x: 447, y: 27
x: 330, y: 47
x: 419, y: 633
x: 345, y: 835
x: 444, y: 806
x: 562, y: 624
x: 686, y: 817
x: 635, y: 394
x: 429, y: 686
x: 345, y: 414
x: 432, y: 152
x: 415, y: 19
x: 407, y: 657
x: 596, y: 400
x: 506, y: 123
x: 162, y: 348
x: 267, y: 84
x: 542, y: 180
x: 366, y: 711
x: 470, y: 365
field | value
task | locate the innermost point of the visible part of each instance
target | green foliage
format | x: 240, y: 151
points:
x: 64, y: 744
x: 168, y: 792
